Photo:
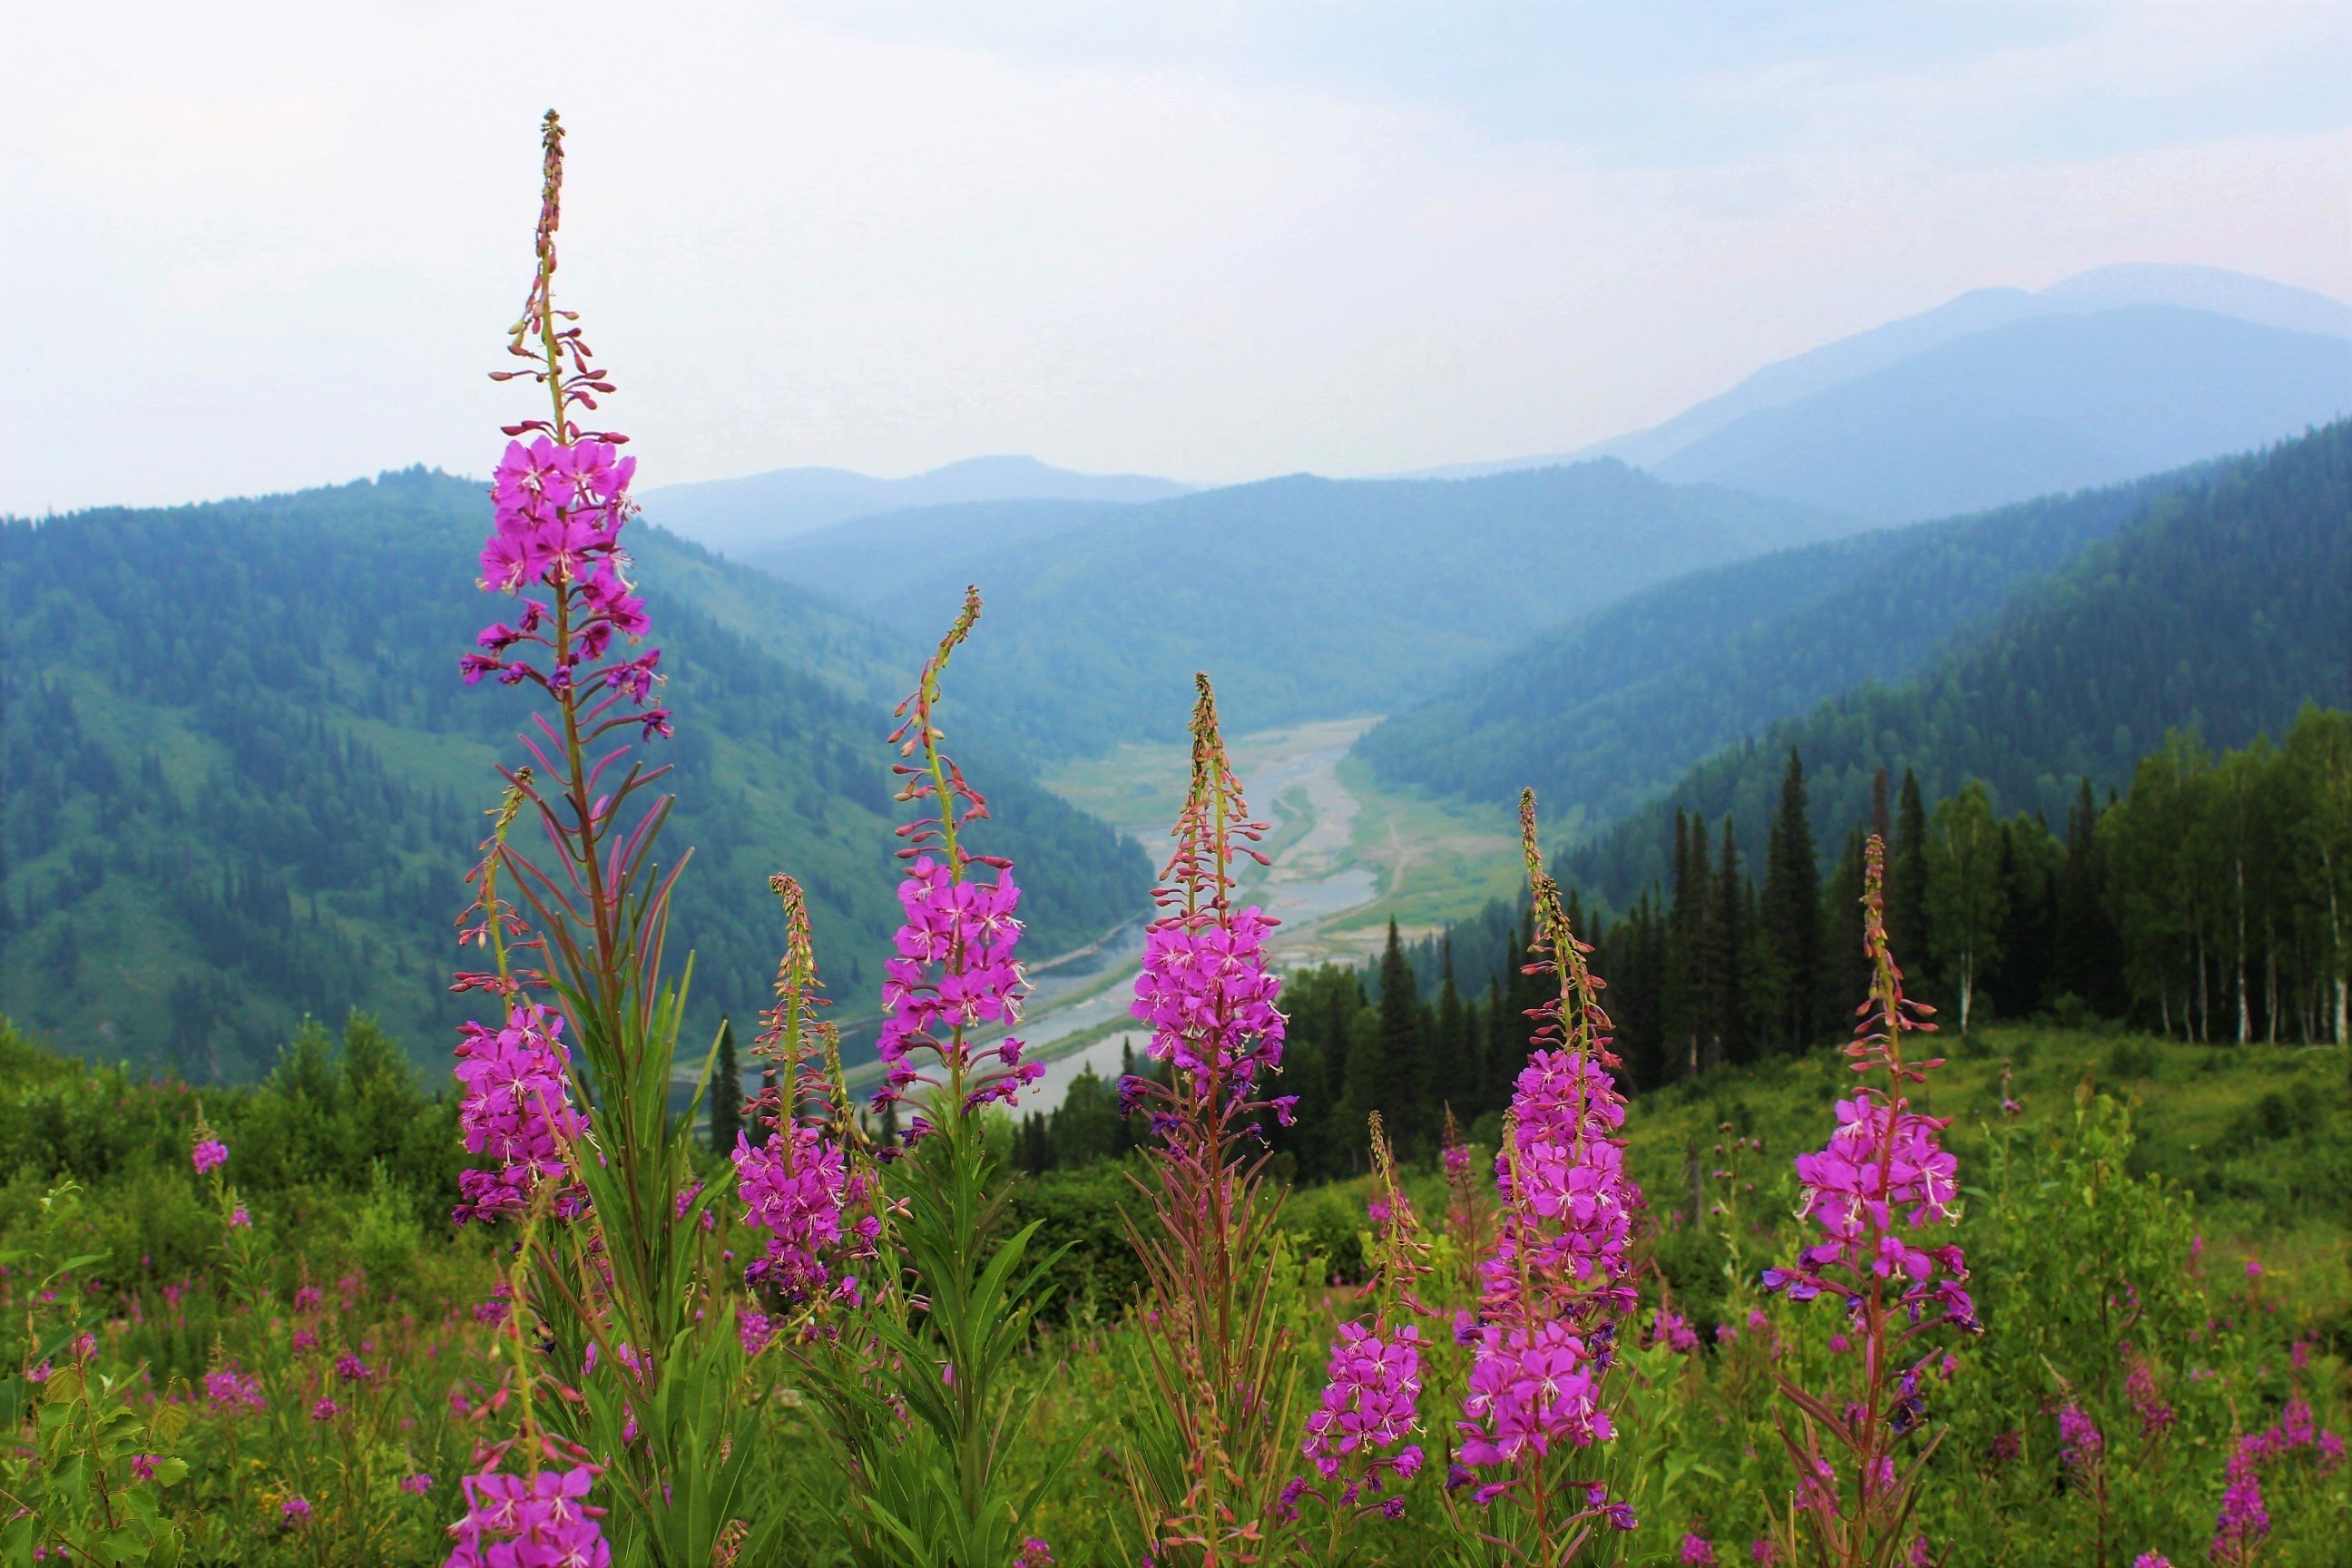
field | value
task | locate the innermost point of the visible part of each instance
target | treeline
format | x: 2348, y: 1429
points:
x: 2211, y: 901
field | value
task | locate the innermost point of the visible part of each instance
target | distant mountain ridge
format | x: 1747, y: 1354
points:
x: 742, y: 516
x: 1312, y: 598
x: 2237, y: 294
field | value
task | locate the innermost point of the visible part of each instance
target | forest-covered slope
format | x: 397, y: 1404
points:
x: 1309, y: 598
x: 1604, y: 713
x: 2224, y: 610
x: 242, y: 780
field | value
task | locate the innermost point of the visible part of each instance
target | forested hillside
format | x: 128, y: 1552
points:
x: 2223, y: 611
x: 243, y: 780
x: 1313, y: 598
x: 1604, y: 713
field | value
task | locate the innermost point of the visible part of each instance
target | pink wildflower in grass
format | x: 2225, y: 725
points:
x: 416, y: 1485
x: 2155, y: 1417
x: 1035, y: 1554
x: 542, y: 1520
x: 1673, y: 1330
x: 1698, y: 1551
x: 1872, y: 1192
x: 2080, y: 1443
x: 797, y: 1183
x: 1557, y: 1280
x: 308, y: 1298
x: 209, y: 1155
x: 1763, y: 1553
x: 1370, y: 1398
x: 142, y: 1466
x: 755, y: 1330
x: 516, y: 1109
x: 350, y: 1369
x: 295, y: 1512
x: 240, y: 1217
x: 230, y: 1390
x: 2244, y: 1520
x: 2151, y: 1560
x: 1205, y: 988
x: 325, y: 1410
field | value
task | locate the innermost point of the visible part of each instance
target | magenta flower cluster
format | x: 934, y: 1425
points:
x: 516, y: 1109
x: 1557, y: 1279
x: 954, y: 971
x: 2245, y: 1518
x: 1883, y: 1176
x: 231, y: 1389
x: 529, y: 1521
x: 1208, y: 996
x: 559, y: 511
x: 1371, y: 1400
x: 796, y: 1186
x: 1531, y: 1386
x: 1570, y: 1209
x: 209, y: 1156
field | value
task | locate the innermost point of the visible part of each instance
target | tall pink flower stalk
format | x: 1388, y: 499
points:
x: 1206, y: 1478
x: 1359, y: 1435
x: 1878, y: 1196
x: 1557, y: 1284
x: 797, y: 1182
x: 566, y: 1095
x: 954, y: 972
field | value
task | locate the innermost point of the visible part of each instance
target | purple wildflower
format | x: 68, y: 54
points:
x: 516, y: 1109
x: 295, y: 1511
x: 1371, y: 1396
x: 416, y: 1485
x: 529, y: 1521
x: 2080, y: 1444
x: 230, y: 1390
x: 209, y: 1155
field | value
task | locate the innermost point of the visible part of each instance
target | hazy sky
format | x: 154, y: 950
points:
x: 254, y: 246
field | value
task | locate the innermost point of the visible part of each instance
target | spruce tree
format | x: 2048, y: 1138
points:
x: 1454, y: 1057
x: 1845, y: 967
x: 1403, y: 1085
x: 1728, y: 942
x: 1688, y: 1008
x: 2087, y: 960
x: 1906, y: 879
x: 726, y: 1092
x: 1791, y: 913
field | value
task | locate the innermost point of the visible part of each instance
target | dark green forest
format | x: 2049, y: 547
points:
x: 2221, y: 611
x: 242, y: 781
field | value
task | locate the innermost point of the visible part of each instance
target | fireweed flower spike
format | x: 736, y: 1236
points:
x: 796, y: 1183
x: 1877, y: 1194
x: 954, y: 972
x: 566, y: 1090
x: 1558, y: 1281
x: 1205, y: 1470
x: 1358, y: 1437
x: 917, y: 1389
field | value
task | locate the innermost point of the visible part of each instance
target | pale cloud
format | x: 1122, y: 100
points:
x: 268, y: 245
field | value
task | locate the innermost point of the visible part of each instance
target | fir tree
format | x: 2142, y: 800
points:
x: 726, y: 1092
x: 1728, y: 945
x: 1907, y: 878
x: 1452, y: 1042
x: 1404, y: 1088
x: 1791, y: 916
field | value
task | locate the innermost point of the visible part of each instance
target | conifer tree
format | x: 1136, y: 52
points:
x: 1453, y: 1054
x: 2087, y: 960
x: 1845, y: 965
x: 1684, y: 1007
x: 726, y: 1092
x: 1403, y: 1086
x: 1790, y: 914
x: 1726, y: 944
x: 1907, y: 878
